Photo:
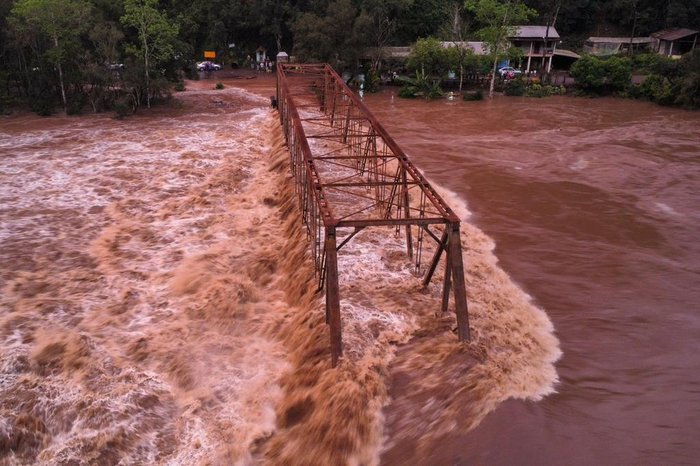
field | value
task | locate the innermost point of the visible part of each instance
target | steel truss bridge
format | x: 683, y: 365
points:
x: 350, y: 174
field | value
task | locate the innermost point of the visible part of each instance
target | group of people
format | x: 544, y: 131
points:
x: 265, y: 65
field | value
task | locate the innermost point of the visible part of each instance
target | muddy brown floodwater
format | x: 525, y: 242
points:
x: 158, y: 302
x: 594, y: 206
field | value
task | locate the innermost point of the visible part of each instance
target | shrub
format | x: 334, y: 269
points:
x: 649, y: 88
x: 408, y: 92
x: 589, y: 73
x: 668, y: 94
x: 538, y: 90
x: 421, y: 86
x: 6, y: 103
x: 219, y: 85
x: 600, y: 76
x: 434, y: 91
x: 514, y: 87
x: 689, y: 82
x: 618, y: 73
x: 651, y: 63
x: 42, y: 105
x: 179, y: 86
x: 372, y: 81
x: 76, y: 104
x: 123, y: 106
x: 472, y: 96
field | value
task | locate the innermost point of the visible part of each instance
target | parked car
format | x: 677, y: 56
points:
x: 509, y: 72
x: 208, y: 66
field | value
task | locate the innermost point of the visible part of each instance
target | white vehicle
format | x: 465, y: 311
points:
x: 208, y: 66
x: 509, y: 72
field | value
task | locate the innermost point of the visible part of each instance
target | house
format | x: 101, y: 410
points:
x: 674, y: 42
x: 260, y: 54
x: 604, y: 46
x: 282, y: 57
x: 538, y: 44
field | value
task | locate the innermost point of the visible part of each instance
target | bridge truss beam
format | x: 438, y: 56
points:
x: 350, y: 174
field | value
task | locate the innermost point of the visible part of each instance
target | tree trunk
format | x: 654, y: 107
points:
x: 493, y: 77
x: 550, y: 23
x: 495, y: 58
x: 634, y: 27
x: 461, y: 77
x: 60, y: 78
x: 145, y: 60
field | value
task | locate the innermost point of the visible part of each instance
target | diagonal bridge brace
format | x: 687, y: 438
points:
x: 315, y: 104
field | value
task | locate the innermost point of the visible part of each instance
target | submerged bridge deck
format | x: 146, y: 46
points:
x: 350, y: 174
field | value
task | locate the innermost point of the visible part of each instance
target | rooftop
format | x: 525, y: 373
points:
x: 566, y: 53
x: 538, y: 32
x: 673, y: 33
x: 619, y: 40
x: 479, y: 48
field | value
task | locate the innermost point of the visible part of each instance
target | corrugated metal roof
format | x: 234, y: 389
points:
x: 619, y: 40
x: 479, y: 48
x: 387, y: 52
x: 531, y: 32
x: 566, y: 53
x: 673, y: 33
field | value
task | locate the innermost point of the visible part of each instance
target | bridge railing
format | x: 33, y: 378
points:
x: 350, y: 173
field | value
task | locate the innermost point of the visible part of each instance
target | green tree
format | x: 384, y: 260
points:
x: 454, y: 31
x: 422, y: 19
x: 101, y: 67
x: 461, y: 58
x: 156, y: 34
x: 277, y: 16
x: 377, y: 23
x: 60, y: 21
x: 689, y: 85
x: 429, y: 56
x: 498, y: 19
x: 329, y: 37
x: 598, y: 76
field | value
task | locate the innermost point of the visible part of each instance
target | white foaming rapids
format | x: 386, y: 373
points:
x: 146, y: 315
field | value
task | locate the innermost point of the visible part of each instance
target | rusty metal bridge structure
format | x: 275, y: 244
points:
x: 349, y: 174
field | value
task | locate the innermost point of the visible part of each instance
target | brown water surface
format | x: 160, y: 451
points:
x: 158, y: 305
x: 594, y: 206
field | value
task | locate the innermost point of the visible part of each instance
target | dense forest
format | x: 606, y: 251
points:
x: 71, y: 52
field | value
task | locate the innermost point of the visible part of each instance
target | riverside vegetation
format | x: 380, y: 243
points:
x: 98, y: 55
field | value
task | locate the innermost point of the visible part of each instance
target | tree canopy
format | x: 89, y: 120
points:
x: 60, y: 49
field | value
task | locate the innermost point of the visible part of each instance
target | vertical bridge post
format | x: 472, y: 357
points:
x: 333, y: 296
x: 357, y: 177
x: 454, y: 259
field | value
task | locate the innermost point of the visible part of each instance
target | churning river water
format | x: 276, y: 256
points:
x: 594, y: 206
x: 158, y: 302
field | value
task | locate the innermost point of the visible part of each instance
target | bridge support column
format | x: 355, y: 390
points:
x: 454, y: 255
x: 447, y: 283
x: 333, y: 296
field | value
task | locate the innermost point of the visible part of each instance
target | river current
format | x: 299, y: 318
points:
x: 594, y: 206
x: 158, y: 303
